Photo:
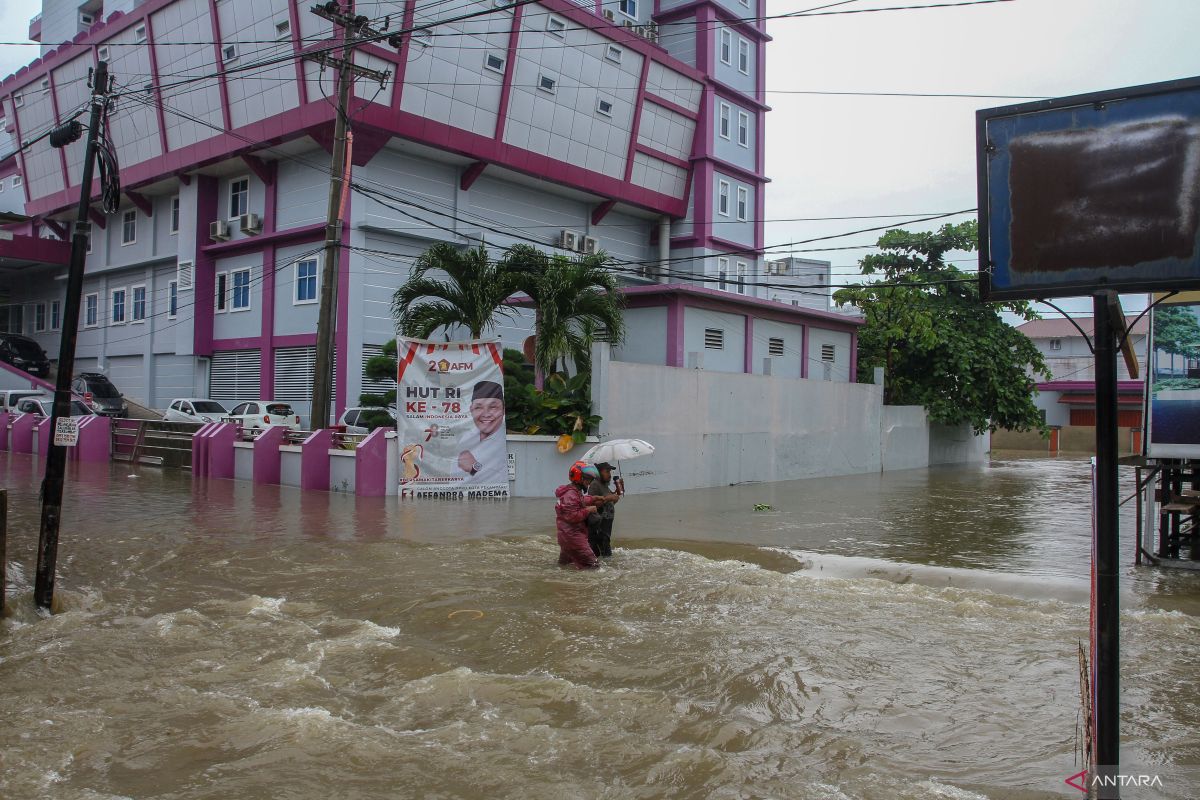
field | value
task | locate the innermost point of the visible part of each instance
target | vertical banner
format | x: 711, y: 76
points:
x: 450, y: 419
x: 1173, y: 378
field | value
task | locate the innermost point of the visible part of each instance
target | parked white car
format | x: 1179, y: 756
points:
x: 351, y: 417
x: 44, y: 406
x: 195, y: 409
x: 263, y: 414
x: 10, y: 397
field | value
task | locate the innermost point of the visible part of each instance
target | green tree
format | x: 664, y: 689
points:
x: 471, y: 294
x: 573, y: 299
x: 1176, y: 332
x: 940, y: 345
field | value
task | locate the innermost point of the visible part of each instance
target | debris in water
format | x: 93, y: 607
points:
x: 763, y: 507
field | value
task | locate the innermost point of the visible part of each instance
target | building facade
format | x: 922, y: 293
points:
x: 620, y: 126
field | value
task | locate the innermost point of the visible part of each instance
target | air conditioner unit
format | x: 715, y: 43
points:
x: 609, y: 15
x: 590, y: 245
x: 218, y: 230
x: 627, y: 23
x: 250, y: 223
x: 568, y: 240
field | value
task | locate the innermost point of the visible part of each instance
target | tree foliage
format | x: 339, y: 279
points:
x: 471, y: 294
x: 1176, y: 331
x: 940, y: 345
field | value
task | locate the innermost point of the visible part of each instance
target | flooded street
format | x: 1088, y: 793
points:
x: 907, y: 635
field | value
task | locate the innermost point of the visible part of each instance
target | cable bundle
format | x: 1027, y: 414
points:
x: 110, y: 178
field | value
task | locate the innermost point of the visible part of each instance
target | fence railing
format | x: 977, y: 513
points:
x: 170, y: 443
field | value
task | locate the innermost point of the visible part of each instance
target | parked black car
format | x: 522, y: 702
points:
x: 98, y: 392
x: 24, y: 353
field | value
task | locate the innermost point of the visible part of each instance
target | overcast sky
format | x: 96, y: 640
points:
x: 846, y: 156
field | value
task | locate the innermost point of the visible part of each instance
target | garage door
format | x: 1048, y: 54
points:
x: 127, y: 375
x: 234, y: 375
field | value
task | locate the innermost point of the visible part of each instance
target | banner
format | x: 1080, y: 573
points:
x: 1173, y: 378
x: 450, y: 419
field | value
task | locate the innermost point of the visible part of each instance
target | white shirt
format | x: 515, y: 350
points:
x: 491, y: 453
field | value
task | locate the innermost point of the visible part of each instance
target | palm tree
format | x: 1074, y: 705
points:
x: 574, y: 299
x: 471, y: 295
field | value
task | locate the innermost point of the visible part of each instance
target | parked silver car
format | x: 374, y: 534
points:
x: 44, y: 406
x: 195, y: 409
x: 264, y: 413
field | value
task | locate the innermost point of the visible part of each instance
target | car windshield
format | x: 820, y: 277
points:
x: 208, y: 407
x: 25, y: 348
x: 280, y: 409
x: 100, y: 387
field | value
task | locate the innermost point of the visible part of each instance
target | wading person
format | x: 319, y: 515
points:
x: 600, y: 523
x: 571, y: 513
x: 483, y: 455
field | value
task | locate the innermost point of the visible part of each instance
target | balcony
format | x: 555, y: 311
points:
x: 35, y: 28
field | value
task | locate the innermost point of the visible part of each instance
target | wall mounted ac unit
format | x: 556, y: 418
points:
x: 568, y: 240
x: 218, y: 230
x: 250, y: 223
x: 590, y: 245
x: 627, y: 23
x: 609, y: 15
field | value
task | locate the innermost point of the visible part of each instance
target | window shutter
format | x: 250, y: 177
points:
x: 184, y: 275
x: 774, y: 347
x: 235, y: 375
x: 714, y: 339
x: 295, y: 368
x: 827, y: 352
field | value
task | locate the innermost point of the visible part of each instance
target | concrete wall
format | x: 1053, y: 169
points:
x: 904, y: 437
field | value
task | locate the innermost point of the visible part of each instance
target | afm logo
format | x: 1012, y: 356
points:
x: 446, y: 366
x: 1080, y: 781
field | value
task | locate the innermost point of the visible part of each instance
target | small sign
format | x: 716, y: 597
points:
x: 512, y: 467
x: 66, y: 432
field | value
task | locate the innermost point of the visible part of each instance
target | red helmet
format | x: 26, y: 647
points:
x: 575, y: 475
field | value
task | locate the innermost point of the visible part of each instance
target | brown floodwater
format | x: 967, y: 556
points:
x: 884, y: 637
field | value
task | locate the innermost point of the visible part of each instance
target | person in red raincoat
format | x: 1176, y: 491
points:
x: 571, y: 513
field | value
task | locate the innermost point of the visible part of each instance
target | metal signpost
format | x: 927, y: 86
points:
x: 1093, y: 195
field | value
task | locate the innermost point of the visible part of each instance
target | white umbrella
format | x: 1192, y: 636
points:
x: 616, y: 450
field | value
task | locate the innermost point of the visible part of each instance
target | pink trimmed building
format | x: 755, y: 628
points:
x: 628, y: 126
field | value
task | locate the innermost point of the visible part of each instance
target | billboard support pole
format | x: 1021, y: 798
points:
x: 1106, y: 599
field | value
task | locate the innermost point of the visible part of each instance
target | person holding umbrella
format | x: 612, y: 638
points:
x: 571, y: 514
x: 600, y: 523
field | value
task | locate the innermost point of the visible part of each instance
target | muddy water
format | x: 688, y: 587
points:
x: 911, y: 635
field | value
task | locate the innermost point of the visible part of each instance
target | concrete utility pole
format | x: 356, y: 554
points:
x: 56, y: 461
x: 355, y: 29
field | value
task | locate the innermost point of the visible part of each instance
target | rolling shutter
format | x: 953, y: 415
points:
x: 294, y: 369
x: 235, y: 375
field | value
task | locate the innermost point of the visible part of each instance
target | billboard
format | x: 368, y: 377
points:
x: 1091, y: 192
x: 1173, y: 385
x: 450, y: 419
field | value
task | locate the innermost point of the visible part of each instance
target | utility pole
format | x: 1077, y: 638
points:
x: 355, y: 30
x: 56, y: 459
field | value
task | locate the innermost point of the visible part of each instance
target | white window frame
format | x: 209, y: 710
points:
x: 103, y: 53
x: 126, y: 217
x: 553, y: 88
x: 172, y: 299
x: 723, y: 198
x: 1056, y: 344
x: 18, y: 99
x: 94, y: 298
x: 221, y: 293
x: 283, y: 29
x: 743, y: 138
x: 133, y: 317
x: 723, y: 273
x: 17, y: 181
x: 56, y: 315
x: 139, y: 33
x: 174, y: 215
x: 487, y: 62
x: 743, y: 56
x: 624, y: 4
x: 45, y: 84
x: 229, y: 53
x: 233, y: 182
x: 556, y: 26
x: 613, y: 53
x: 743, y: 204
x: 86, y: 19
x: 742, y: 269
x: 112, y: 306
x: 725, y: 46
x: 724, y: 111
x: 42, y: 308
x: 233, y: 274
x: 316, y: 298
x: 604, y: 101
x: 2, y: 185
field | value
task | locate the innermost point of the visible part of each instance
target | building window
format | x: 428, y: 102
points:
x: 102, y: 53
x: 283, y: 29
x: 726, y: 47
x: 138, y: 311
x: 55, y: 315
x: 828, y: 353
x: 628, y: 8
x: 493, y: 62
x: 1056, y: 344
x: 239, y: 197
x: 743, y: 204
x: 741, y: 277
x: 17, y: 181
x: 39, y: 318
x: 172, y: 299
x: 743, y: 129
x: 613, y: 54
x: 743, y: 56
x: 129, y: 227
x: 86, y: 19
x: 175, y: 214
x: 18, y: 99
x: 723, y: 198
x: 91, y: 305
x: 774, y: 347
x: 547, y: 84
x: 139, y: 34
x: 241, y: 290
x: 118, y: 307
x: 714, y: 338
x: 221, y: 302
x: 556, y: 26
x: 722, y: 273
x: 723, y: 126
x: 604, y: 107
x: 45, y: 86
x: 306, y: 282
